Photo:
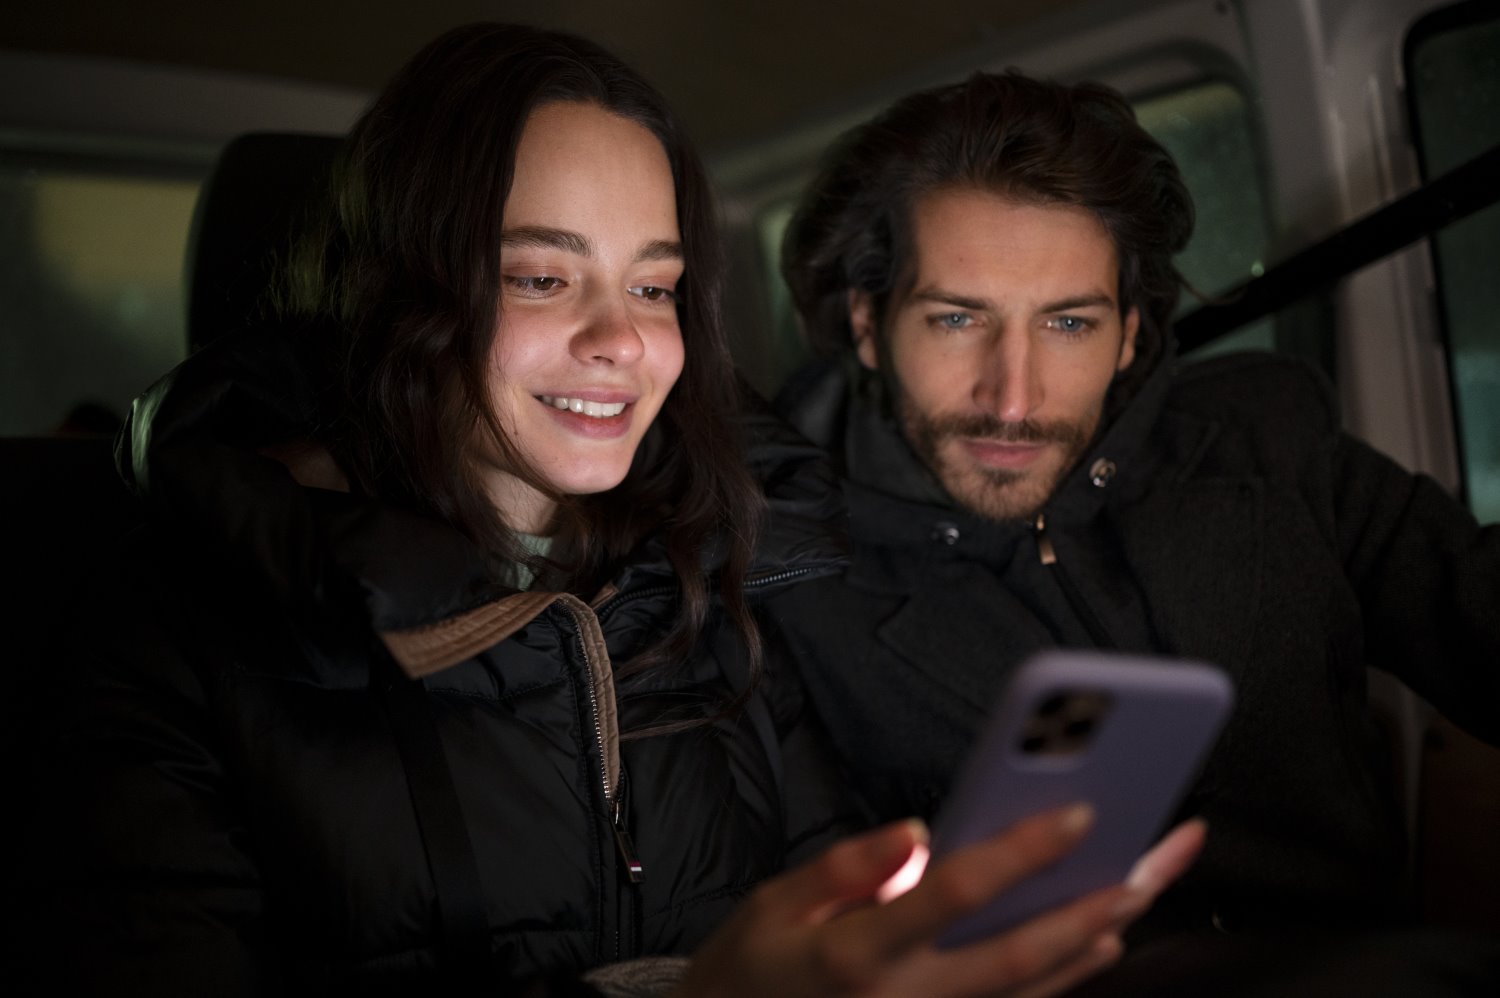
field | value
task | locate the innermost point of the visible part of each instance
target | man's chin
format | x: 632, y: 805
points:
x: 1018, y: 497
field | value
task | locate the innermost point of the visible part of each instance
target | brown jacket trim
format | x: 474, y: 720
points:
x: 601, y: 671
x: 423, y: 651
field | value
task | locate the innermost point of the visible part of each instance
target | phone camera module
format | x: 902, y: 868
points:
x: 1063, y: 723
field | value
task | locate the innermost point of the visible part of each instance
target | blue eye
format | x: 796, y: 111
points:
x: 1071, y: 324
x: 954, y: 320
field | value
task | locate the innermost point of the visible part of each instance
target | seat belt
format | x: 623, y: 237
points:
x: 1439, y: 203
x: 440, y: 821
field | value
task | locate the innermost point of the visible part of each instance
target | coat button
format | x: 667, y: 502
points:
x: 947, y: 533
x: 1102, y: 473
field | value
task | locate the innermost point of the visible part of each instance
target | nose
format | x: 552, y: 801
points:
x: 608, y: 336
x: 1009, y: 386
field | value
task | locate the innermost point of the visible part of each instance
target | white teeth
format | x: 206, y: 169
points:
x: 598, y: 410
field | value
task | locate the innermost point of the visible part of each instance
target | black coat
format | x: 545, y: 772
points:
x: 231, y: 812
x: 1233, y: 522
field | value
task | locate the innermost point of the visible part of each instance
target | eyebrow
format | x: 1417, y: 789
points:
x: 659, y: 249
x: 1079, y: 301
x: 542, y: 237
x: 545, y: 237
x: 941, y: 297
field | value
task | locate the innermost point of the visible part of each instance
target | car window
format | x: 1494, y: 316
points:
x: 91, y: 257
x: 1207, y: 129
x: 1453, y: 79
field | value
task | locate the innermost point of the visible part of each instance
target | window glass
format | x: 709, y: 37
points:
x: 1453, y: 74
x: 91, y: 300
x: 1207, y: 130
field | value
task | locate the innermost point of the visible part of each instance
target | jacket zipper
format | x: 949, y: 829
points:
x: 626, y: 898
x: 775, y: 577
x: 756, y: 582
x: 614, y: 798
x: 599, y: 740
x: 615, y: 802
x: 626, y: 844
x: 1048, y: 554
x: 617, y: 797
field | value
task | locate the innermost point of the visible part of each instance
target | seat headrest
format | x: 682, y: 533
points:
x: 254, y: 203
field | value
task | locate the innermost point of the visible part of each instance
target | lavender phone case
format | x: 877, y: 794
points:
x: 1124, y: 733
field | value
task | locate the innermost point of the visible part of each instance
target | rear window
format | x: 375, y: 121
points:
x: 91, y: 296
x: 1453, y: 82
x: 1208, y: 130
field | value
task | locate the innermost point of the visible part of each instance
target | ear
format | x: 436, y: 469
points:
x: 862, y: 327
x: 1127, y: 345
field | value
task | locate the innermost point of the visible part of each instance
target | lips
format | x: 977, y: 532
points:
x: 600, y: 416
x: 584, y: 407
x: 1004, y: 454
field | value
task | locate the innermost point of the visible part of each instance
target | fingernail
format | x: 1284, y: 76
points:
x: 919, y: 830
x: 1076, y: 819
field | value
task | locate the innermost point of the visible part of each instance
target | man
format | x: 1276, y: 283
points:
x: 991, y: 264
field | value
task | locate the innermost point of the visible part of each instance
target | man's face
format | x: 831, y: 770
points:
x: 1004, y: 346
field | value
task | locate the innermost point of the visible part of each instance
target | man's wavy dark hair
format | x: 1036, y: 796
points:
x: 1032, y: 140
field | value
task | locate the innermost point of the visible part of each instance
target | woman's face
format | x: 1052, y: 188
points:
x: 587, y: 346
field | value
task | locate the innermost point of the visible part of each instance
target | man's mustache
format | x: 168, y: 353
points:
x: 989, y: 428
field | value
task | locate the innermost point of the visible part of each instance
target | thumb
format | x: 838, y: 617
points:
x: 849, y: 871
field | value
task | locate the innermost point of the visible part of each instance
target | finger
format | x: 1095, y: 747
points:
x: 1104, y: 952
x: 1056, y: 945
x: 851, y: 870
x: 969, y: 878
x: 907, y: 877
x: 1169, y: 858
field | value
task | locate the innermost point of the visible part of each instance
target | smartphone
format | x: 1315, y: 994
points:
x: 1127, y: 734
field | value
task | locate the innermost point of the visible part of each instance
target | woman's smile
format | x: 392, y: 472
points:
x: 587, y: 416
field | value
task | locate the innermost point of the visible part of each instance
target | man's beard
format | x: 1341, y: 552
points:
x: 994, y: 493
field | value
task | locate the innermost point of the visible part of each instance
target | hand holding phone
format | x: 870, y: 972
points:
x: 1122, y: 734
x: 811, y: 931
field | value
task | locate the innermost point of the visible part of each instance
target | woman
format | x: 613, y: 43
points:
x: 440, y: 664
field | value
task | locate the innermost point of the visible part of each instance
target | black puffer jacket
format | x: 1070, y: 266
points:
x: 1221, y: 515
x: 236, y: 809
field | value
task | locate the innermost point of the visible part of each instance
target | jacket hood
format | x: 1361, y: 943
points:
x: 194, y: 451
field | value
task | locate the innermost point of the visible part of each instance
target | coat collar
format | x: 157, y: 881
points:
x: 1192, y: 541
x: 893, y: 495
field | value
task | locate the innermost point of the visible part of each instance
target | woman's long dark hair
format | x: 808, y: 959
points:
x: 402, y: 286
